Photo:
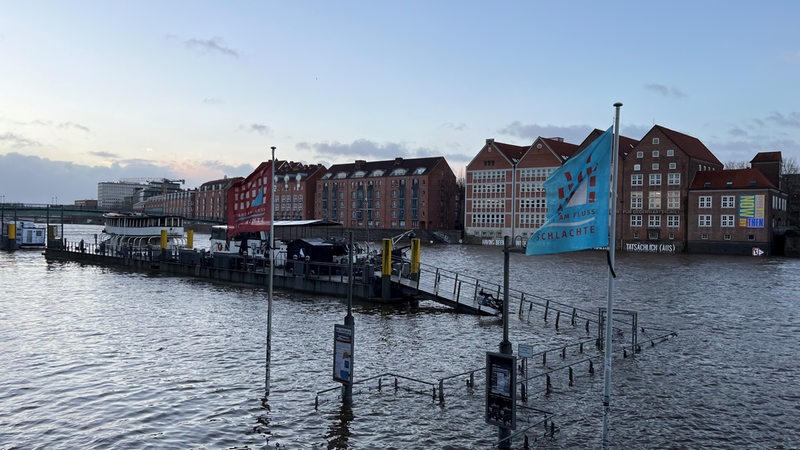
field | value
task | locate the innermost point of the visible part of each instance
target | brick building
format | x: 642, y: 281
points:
x: 656, y: 176
x: 502, y: 175
x: 393, y: 194
x: 211, y: 200
x: 735, y: 211
x: 295, y: 189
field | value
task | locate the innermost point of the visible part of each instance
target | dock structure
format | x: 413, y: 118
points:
x: 462, y: 293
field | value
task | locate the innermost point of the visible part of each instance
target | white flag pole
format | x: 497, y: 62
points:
x: 271, y: 269
x: 612, y: 230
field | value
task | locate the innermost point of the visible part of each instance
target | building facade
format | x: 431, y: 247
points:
x: 295, y: 189
x: 735, y: 212
x: 211, y: 200
x: 117, y: 195
x: 655, y: 181
x: 402, y: 193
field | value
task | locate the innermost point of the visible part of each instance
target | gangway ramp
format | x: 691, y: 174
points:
x: 464, y: 293
x: 458, y: 291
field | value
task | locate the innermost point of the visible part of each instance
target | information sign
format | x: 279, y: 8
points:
x: 525, y: 350
x: 343, y: 354
x: 501, y: 390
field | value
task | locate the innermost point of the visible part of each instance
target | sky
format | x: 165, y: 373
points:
x: 95, y: 91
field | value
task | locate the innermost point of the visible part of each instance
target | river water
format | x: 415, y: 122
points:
x: 96, y: 357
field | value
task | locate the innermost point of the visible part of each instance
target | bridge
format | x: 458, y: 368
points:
x: 40, y: 212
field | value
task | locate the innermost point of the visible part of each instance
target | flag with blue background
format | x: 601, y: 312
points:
x: 577, y: 202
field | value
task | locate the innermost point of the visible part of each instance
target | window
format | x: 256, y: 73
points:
x: 673, y: 221
x: 726, y: 221
x: 636, y: 220
x: 640, y: 155
x: 704, y: 220
x: 728, y: 201
x: 655, y: 179
x: 673, y: 199
x: 726, y: 236
x: 671, y: 152
x: 751, y: 237
x: 637, y: 167
x: 671, y: 236
x: 654, y: 200
x: 637, y: 179
x: 636, y: 235
x: 674, y: 178
x: 705, y: 201
x: 636, y: 200
x: 655, y: 153
x: 654, y: 166
x: 655, y: 141
x: 703, y: 235
x: 673, y: 166
x: 654, y: 221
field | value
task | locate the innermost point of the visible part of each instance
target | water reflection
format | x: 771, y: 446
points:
x: 338, y: 434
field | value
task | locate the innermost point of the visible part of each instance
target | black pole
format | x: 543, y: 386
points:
x: 347, y: 388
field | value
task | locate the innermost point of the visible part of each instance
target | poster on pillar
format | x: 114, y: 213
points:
x: 249, y: 201
x: 343, y: 354
x: 501, y: 390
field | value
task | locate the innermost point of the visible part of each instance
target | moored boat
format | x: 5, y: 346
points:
x: 134, y: 231
x: 28, y: 235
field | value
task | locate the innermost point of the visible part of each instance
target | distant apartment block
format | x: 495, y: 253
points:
x: 211, y: 200
x: 295, y: 189
x: 117, y: 195
x: 402, y: 194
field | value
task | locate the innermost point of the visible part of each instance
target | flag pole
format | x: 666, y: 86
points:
x: 271, y: 267
x: 610, y: 295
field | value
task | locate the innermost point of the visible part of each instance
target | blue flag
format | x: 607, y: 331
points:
x: 577, y: 202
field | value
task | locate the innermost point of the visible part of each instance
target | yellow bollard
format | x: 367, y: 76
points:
x: 163, y: 239
x: 415, y: 257
x: 386, y: 270
x: 12, y: 232
x: 190, y: 239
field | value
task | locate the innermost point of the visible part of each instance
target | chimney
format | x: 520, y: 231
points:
x: 489, y: 141
x: 398, y: 161
x: 360, y: 164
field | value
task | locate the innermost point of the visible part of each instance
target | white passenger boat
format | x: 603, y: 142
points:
x: 139, y: 231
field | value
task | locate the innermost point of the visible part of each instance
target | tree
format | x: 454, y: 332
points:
x: 790, y: 166
x: 736, y: 165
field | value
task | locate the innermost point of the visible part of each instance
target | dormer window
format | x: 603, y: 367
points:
x: 655, y: 141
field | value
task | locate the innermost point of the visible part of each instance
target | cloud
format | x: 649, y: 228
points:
x: 108, y: 155
x: 212, y: 101
x: 665, y: 90
x: 74, y: 125
x: 261, y: 129
x: 791, y: 120
x: 573, y: 133
x: 213, y: 45
x: 16, y: 141
x: 364, y: 149
x: 461, y: 126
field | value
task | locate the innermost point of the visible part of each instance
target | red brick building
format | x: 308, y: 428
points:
x: 211, y: 200
x: 656, y: 176
x: 394, y: 194
x: 295, y: 189
x: 735, y: 212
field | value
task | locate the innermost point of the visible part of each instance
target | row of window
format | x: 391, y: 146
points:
x: 654, y: 221
x: 654, y: 179
x: 706, y: 201
x: 655, y: 166
x: 654, y: 200
x: 655, y: 153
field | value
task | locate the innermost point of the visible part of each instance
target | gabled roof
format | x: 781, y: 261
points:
x: 763, y: 157
x: 731, y: 179
x: 563, y: 150
x: 392, y: 167
x: 689, y: 145
x: 626, y: 144
x: 512, y: 152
